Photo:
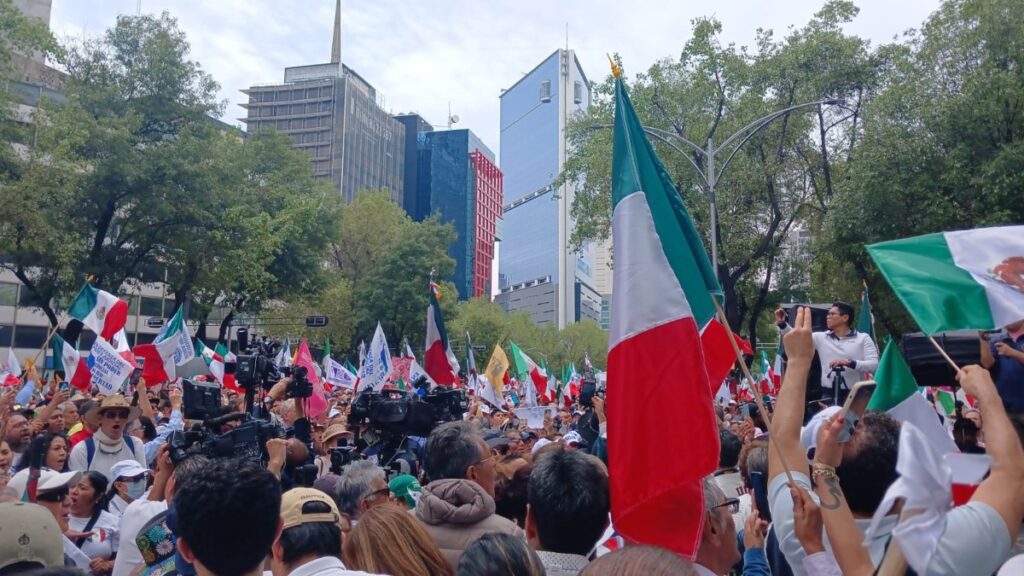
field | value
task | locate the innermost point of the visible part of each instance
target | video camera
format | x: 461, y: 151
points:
x: 247, y: 441
x: 396, y: 412
x: 256, y: 366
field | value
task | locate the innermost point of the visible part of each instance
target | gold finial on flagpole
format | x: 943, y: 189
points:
x: 616, y: 70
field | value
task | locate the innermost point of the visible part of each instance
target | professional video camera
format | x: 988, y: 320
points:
x: 246, y: 441
x: 397, y: 412
x: 300, y: 386
x: 255, y: 367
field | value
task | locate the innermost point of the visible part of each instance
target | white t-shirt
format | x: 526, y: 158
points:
x: 976, y: 540
x: 134, y: 518
x: 106, y: 534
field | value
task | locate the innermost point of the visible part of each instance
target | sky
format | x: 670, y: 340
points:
x: 426, y: 55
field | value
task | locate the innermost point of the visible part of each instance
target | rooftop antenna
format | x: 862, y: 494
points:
x: 452, y: 118
x: 138, y: 8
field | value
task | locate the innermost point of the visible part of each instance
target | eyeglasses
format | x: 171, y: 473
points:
x: 732, y: 503
x: 53, y: 496
x: 378, y: 493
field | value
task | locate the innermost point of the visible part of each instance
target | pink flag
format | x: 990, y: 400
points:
x: 317, y: 402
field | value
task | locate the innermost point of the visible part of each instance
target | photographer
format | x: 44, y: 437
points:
x: 289, y: 458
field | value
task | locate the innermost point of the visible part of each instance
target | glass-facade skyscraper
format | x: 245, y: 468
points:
x: 538, y: 273
x: 458, y: 176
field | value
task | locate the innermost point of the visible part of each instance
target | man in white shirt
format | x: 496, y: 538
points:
x: 719, y: 550
x: 310, y: 540
x: 109, y: 445
x: 842, y: 350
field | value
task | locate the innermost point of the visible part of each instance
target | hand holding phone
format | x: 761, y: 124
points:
x: 855, y: 405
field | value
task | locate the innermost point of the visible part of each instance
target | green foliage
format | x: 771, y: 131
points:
x: 131, y: 181
x: 334, y: 301
x: 782, y: 177
x: 942, y: 148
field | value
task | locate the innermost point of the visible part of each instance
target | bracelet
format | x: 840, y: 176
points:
x: 819, y: 470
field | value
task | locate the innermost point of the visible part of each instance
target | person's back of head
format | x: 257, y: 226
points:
x: 640, y: 561
x: 729, y: 449
x: 310, y: 529
x: 569, y: 503
x: 510, y: 496
x: 30, y: 538
x: 389, y: 540
x: 500, y: 554
x: 228, y: 516
x: 451, y: 449
x: 869, y: 462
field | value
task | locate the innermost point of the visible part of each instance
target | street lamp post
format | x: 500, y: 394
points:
x: 711, y: 173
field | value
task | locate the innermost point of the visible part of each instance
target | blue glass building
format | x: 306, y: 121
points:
x: 458, y: 177
x: 538, y: 273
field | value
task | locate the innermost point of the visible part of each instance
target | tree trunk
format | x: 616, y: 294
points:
x: 42, y: 299
x: 826, y: 167
x: 225, y: 324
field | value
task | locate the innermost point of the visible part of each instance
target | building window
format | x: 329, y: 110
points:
x: 8, y: 294
x: 151, y: 307
x: 30, y: 336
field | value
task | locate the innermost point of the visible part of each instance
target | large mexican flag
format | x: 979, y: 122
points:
x: 969, y: 279
x: 656, y: 365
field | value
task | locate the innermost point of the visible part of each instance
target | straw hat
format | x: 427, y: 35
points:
x: 109, y: 403
x: 333, y: 431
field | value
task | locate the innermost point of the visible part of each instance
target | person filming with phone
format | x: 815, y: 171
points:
x: 847, y: 356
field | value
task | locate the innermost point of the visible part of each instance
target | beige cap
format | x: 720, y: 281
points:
x: 29, y: 533
x: 293, y: 501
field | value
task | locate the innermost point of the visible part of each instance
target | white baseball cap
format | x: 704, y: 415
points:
x: 127, y: 469
x: 48, y: 480
x: 539, y: 444
x: 809, y: 433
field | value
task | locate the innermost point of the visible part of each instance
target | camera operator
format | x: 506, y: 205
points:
x: 292, y: 460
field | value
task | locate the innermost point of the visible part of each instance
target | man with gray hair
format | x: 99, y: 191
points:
x: 362, y: 486
x: 457, y: 506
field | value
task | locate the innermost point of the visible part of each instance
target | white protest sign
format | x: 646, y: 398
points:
x: 534, y: 416
x: 109, y: 369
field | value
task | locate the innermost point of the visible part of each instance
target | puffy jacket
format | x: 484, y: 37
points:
x: 458, y: 512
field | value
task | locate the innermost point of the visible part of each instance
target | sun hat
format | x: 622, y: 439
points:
x: 111, y: 402
x: 48, y: 480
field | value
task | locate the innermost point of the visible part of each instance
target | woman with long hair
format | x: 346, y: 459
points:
x: 500, y: 554
x: 388, y: 540
x: 55, y: 456
x: 89, y: 516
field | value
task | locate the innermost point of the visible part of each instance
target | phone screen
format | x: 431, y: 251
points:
x: 856, y: 404
x: 760, y: 484
x: 136, y: 375
x: 745, y: 410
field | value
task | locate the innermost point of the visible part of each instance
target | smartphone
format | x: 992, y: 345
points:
x: 760, y: 485
x: 745, y: 410
x: 133, y: 381
x: 855, y: 405
x: 63, y: 386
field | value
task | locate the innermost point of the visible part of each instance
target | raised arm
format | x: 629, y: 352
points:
x: 987, y: 359
x: 144, y: 403
x: 1003, y: 490
x: 789, y: 408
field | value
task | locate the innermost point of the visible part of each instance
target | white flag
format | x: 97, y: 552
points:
x: 416, y: 371
x: 530, y: 394
x: 337, y: 375
x: 284, y: 357
x: 109, y: 370
x: 177, y: 330
x: 13, y: 366
x: 485, y: 391
x: 377, y: 364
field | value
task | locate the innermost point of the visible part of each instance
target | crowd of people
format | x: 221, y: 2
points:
x: 90, y: 484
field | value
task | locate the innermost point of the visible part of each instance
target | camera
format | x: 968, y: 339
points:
x: 256, y: 366
x: 300, y: 386
x: 247, y: 441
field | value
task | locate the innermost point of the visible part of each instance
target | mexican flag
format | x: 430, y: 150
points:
x: 658, y: 373
x: 104, y: 313
x: 120, y: 345
x: 158, y: 365
x: 10, y: 372
x: 68, y: 360
x: 177, y: 330
x: 946, y: 399
x: 964, y: 280
x: 898, y: 395
x: 214, y: 360
x: 529, y: 371
x: 769, y: 381
x: 438, y: 360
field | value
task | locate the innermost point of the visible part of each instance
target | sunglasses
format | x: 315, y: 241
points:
x: 378, y: 493
x: 53, y: 496
x: 122, y: 414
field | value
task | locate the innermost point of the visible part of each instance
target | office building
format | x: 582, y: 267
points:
x: 535, y: 253
x: 458, y: 177
x: 416, y: 198
x: 338, y: 117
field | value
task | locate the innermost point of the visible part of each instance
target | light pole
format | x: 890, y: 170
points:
x: 710, y: 173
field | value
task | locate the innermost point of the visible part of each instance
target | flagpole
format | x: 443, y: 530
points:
x: 753, y: 386
x: 943, y: 352
x: 49, y: 337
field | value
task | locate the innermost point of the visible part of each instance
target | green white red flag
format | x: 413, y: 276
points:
x: 214, y: 361
x: 177, y: 330
x: 529, y: 371
x: 963, y: 280
x: 769, y: 381
x: 657, y: 371
x: 68, y: 360
x: 104, y: 313
x: 438, y: 359
x: 158, y: 365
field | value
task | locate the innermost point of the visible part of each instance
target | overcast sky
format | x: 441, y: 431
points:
x: 423, y: 54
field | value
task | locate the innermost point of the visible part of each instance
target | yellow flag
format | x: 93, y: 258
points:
x: 496, y: 368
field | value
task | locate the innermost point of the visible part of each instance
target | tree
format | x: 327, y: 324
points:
x: 782, y: 172
x: 131, y: 181
x: 335, y: 302
x: 942, y: 146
